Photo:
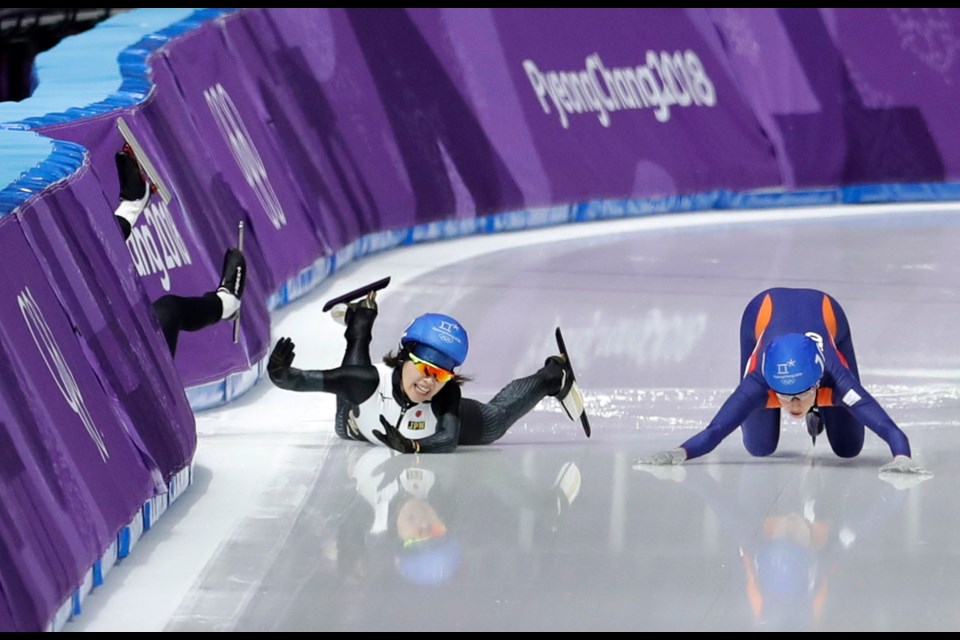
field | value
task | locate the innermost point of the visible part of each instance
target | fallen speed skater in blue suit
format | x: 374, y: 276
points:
x: 796, y: 355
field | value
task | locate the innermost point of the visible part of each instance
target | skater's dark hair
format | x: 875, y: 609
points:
x: 395, y: 360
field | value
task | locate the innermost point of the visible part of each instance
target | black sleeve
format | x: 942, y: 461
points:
x: 354, y: 383
x: 446, y: 406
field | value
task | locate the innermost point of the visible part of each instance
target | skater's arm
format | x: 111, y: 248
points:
x: 355, y: 383
x: 750, y: 395
x: 851, y: 394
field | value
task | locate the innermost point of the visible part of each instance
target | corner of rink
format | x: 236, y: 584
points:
x: 121, y: 547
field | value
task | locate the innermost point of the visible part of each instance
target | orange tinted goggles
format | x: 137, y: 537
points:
x: 427, y: 369
x: 435, y: 530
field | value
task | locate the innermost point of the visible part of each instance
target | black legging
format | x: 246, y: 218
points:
x: 179, y: 313
x: 485, y: 423
x: 359, y: 335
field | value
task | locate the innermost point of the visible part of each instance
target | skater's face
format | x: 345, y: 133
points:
x: 417, y: 521
x: 798, y: 404
x: 422, y: 380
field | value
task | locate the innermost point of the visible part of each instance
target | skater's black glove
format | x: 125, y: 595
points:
x: 280, y: 359
x: 396, y: 440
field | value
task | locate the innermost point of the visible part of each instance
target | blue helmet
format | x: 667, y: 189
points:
x: 430, y: 562
x: 792, y: 363
x: 438, y: 339
x: 788, y: 584
x: 784, y: 569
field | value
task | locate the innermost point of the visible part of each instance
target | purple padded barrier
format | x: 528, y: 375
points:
x: 247, y: 155
x: 178, y: 248
x: 81, y: 253
x: 71, y: 475
x: 850, y: 96
x: 206, y: 211
x: 311, y: 89
x: 584, y: 149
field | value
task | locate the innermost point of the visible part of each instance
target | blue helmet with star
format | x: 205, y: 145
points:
x: 792, y: 363
x: 438, y: 339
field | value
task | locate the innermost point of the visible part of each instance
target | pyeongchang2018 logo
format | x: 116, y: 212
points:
x: 666, y: 80
x: 241, y: 145
x: 58, y: 367
x: 157, y: 246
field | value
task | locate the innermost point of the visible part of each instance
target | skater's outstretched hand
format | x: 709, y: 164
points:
x: 392, y: 437
x: 281, y: 359
x: 904, y: 464
x: 673, y: 456
x: 904, y: 473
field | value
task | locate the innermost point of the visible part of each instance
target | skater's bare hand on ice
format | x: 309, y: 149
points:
x: 903, y: 464
x: 673, y: 456
x: 904, y: 473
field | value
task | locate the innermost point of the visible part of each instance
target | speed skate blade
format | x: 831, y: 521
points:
x: 584, y: 420
x: 144, y: 161
x: 350, y: 296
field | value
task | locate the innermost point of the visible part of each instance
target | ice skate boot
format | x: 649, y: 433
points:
x: 342, y: 311
x: 232, y: 282
x: 134, y: 193
x: 343, y: 305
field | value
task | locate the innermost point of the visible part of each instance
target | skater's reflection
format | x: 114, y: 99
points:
x: 418, y: 513
x: 792, y: 532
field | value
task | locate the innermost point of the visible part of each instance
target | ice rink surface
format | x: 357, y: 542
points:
x: 288, y: 528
